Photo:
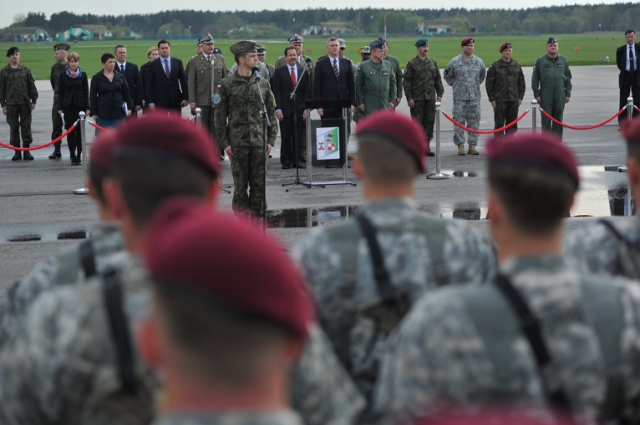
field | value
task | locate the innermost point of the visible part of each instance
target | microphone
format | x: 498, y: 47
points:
x: 308, y: 63
x: 256, y: 73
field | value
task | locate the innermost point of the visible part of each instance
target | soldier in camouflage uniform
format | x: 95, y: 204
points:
x: 262, y: 54
x: 18, y: 96
x: 375, y: 83
x: 612, y: 246
x: 60, y: 52
x: 465, y: 73
x: 397, y: 71
x: 419, y: 251
x: 541, y: 338
x: 505, y: 88
x: 239, y: 126
x: 423, y: 88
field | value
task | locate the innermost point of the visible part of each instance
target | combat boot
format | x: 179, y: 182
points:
x: 472, y: 150
x: 17, y: 156
x: 56, y: 152
x: 27, y: 155
x: 461, y: 149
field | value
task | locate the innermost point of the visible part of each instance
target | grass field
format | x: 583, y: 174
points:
x: 580, y: 49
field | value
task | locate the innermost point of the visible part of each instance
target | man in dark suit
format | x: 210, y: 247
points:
x: 334, y: 80
x: 291, y: 117
x: 131, y: 73
x: 629, y: 78
x: 167, y: 85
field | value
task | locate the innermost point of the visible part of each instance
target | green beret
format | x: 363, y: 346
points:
x: 243, y: 47
x: 422, y: 42
x: 61, y: 46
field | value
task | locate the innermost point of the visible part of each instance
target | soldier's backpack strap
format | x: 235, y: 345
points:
x: 119, y: 329
x: 627, y: 252
x: 87, y: 258
x: 435, y: 230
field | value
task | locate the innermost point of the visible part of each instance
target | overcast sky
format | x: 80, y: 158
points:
x: 11, y: 8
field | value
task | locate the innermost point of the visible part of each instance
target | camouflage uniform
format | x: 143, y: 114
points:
x: 597, y: 249
x: 423, y: 85
x: 551, y: 82
x: 263, y: 70
x: 341, y: 294
x: 54, y: 78
x: 201, y: 86
x: 463, y: 347
x: 505, y: 85
x: 18, y: 92
x: 397, y: 71
x: 375, y: 86
x: 234, y: 417
x: 465, y: 76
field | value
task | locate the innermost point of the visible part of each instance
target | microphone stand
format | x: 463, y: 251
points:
x: 265, y: 123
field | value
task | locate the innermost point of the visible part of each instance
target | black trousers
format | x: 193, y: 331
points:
x: 628, y: 82
x: 291, y: 143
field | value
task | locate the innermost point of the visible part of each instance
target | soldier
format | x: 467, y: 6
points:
x: 18, y: 96
x: 375, y: 82
x: 391, y: 237
x: 465, y: 73
x: 60, y: 52
x: 505, y: 88
x: 397, y: 71
x: 241, y: 129
x: 296, y: 41
x: 611, y: 246
x: 551, y: 84
x: 365, y: 54
x: 539, y: 339
x: 262, y: 55
x: 198, y: 53
x: 423, y: 88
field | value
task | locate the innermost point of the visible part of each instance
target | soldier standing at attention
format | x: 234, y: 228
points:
x: 505, y: 88
x: 551, y: 84
x: 262, y: 55
x: 423, y: 87
x: 60, y: 52
x: 375, y: 82
x: 239, y: 126
x: 541, y: 338
x: 465, y: 73
x: 18, y: 96
x: 365, y: 54
x: 397, y: 71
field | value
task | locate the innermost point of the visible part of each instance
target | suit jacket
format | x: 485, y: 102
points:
x: 132, y: 75
x: 282, y: 88
x: 167, y: 92
x: 326, y: 86
x: 199, y: 78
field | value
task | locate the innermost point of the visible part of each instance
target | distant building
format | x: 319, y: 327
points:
x: 328, y: 28
x: 28, y: 34
x: 85, y: 33
x: 426, y: 28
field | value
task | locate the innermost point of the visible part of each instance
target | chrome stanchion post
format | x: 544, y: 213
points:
x: 534, y: 111
x: 438, y: 175
x: 198, y: 116
x: 83, y: 139
x: 630, y: 107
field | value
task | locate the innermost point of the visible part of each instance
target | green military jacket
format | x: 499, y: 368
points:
x: 17, y: 86
x: 422, y: 79
x: 200, y: 86
x: 505, y: 81
x: 54, y: 78
x: 397, y: 71
x: 375, y: 86
x: 551, y: 78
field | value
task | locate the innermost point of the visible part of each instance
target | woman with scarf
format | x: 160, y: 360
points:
x: 110, y: 100
x: 73, y: 91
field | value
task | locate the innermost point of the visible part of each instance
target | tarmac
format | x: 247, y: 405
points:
x: 40, y: 214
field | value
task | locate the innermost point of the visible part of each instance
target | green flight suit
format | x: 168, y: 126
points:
x: 551, y: 82
x: 375, y: 86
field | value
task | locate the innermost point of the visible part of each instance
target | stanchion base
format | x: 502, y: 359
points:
x: 438, y: 176
x: 81, y: 191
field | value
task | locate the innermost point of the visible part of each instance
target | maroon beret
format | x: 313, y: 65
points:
x: 467, y: 41
x: 227, y: 261
x: 505, y: 46
x: 162, y: 132
x: 101, y: 150
x: 534, y: 150
x: 630, y: 130
x: 398, y: 129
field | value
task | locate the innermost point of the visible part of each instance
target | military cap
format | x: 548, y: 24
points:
x: 398, y: 129
x: 550, y: 154
x: 366, y: 50
x: 186, y: 241
x: 552, y: 40
x: 422, y: 42
x: 169, y: 135
x: 243, y: 47
x: 12, y: 50
x: 217, y: 51
x: 61, y: 46
x: 505, y: 46
x: 467, y: 41
x: 296, y: 39
x: 206, y: 39
x: 382, y: 39
x: 261, y: 50
x: 343, y: 44
x: 376, y: 44
x: 101, y: 151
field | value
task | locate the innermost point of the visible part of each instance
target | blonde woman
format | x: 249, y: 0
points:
x: 73, y: 92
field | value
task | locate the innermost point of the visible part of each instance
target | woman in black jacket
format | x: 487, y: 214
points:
x: 109, y: 96
x: 73, y: 91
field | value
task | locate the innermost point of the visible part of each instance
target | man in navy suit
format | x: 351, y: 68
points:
x: 627, y: 57
x: 132, y: 75
x: 334, y: 80
x: 167, y: 85
x: 291, y: 116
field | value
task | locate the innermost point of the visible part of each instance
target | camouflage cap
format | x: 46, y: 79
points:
x: 343, y: 44
x: 422, y: 42
x: 296, y: 38
x: 12, y: 50
x: 365, y: 50
x: 243, y: 47
x: 376, y: 44
x: 467, y: 41
x: 61, y: 46
x: 505, y: 46
x: 205, y: 39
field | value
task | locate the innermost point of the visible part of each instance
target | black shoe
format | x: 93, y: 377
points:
x: 55, y: 155
x: 17, y: 156
x: 301, y: 165
x: 78, y: 161
x: 27, y: 156
x: 431, y: 153
x: 286, y: 166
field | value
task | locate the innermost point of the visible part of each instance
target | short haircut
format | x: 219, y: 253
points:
x: 73, y: 56
x: 332, y: 39
x: 151, y: 50
x: 105, y: 57
x: 118, y: 46
x: 385, y: 163
x: 163, y: 41
x: 286, y: 50
x: 536, y: 200
x: 241, y: 55
x: 630, y: 31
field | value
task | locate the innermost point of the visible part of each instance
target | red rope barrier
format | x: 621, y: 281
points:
x: 94, y: 125
x: 637, y: 109
x: 41, y: 146
x: 587, y: 127
x: 497, y: 130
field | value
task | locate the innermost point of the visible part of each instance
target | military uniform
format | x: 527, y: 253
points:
x: 54, y: 78
x: 464, y: 348
x: 397, y: 72
x: 551, y: 82
x: 338, y: 267
x: 375, y: 86
x: 233, y: 417
x: 505, y: 85
x: 202, y: 87
x: 18, y: 93
x: 423, y: 85
x: 465, y: 76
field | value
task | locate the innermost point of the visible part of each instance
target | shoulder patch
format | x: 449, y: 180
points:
x: 216, y: 99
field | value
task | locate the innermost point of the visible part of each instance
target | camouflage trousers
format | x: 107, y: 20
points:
x: 467, y: 113
x: 19, y: 120
x: 207, y: 121
x: 505, y: 113
x: 424, y: 111
x: 56, y: 119
x: 248, y: 170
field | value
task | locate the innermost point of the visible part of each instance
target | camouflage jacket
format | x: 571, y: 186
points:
x: 465, y: 76
x: 54, y: 78
x: 505, y: 81
x: 597, y: 249
x: 463, y: 348
x: 234, y: 417
x: 422, y: 79
x: 238, y: 112
x: 341, y: 294
x: 199, y: 72
x: 397, y: 71
x: 17, y: 86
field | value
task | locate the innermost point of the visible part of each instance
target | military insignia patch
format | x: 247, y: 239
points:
x: 216, y: 99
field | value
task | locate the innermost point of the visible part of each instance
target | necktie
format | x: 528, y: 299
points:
x: 121, y: 68
x: 166, y: 68
x: 293, y: 77
x: 208, y: 58
x: 632, y: 65
x: 335, y: 68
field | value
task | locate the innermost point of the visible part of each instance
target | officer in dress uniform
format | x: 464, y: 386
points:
x: 60, y: 52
